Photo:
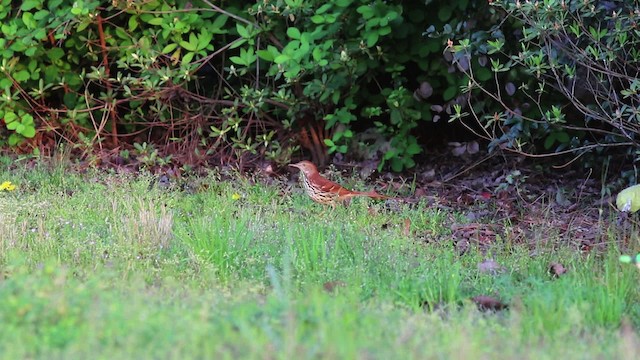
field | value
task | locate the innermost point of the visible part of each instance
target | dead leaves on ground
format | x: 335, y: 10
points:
x: 488, y: 303
x: 484, y: 303
x: 333, y: 286
x: 556, y: 270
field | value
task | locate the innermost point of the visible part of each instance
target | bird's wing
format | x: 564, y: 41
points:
x: 329, y: 186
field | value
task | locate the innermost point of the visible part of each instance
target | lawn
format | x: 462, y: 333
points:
x: 102, y: 265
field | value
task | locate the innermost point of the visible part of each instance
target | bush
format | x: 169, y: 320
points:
x: 252, y: 79
x: 357, y: 73
x: 565, y: 76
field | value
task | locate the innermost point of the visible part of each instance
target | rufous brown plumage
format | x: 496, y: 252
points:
x: 325, y: 191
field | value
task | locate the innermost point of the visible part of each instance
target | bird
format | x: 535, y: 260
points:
x: 325, y: 191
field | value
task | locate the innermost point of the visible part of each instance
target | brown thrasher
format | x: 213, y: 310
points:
x: 326, y: 191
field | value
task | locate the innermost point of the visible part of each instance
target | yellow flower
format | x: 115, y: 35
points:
x: 236, y: 196
x: 7, y: 186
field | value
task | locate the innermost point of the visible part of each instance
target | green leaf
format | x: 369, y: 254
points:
x: 55, y: 54
x: 562, y: 137
x: 33, y: 66
x: 169, y: 48
x: 330, y: 18
x: 237, y: 43
x: 335, y: 97
x: 324, y: 8
x: 41, y: 14
x: 242, y: 31
x: 10, y: 117
x: 238, y: 60
x: 317, y: 19
x: 483, y: 74
x: 21, y: 76
x: 186, y: 59
x: 444, y: 13
x: 188, y: 46
x: 156, y: 21
x: 372, y: 39
x: 40, y: 34
x: 217, y: 27
x: 14, y: 139
x: 204, y: 39
x: 366, y: 11
x: 51, y: 74
x: 413, y: 149
x: 265, y: 55
x: 548, y: 142
x: 29, y: 22
x: 317, y: 53
x: 628, y: 200
x: 30, y: 4
x: 396, y: 164
x: 282, y: 58
x: 133, y: 23
x: 9, y: 30
x: 329, y: 142
x: 293, y: 33
x: 395, y: 117
x: 384, y: 31
x: 83, y: 25
x: 146, y: 17
x: 193, y: 40
x: 70, y: 100
x: 293, y: 71
x: 409, y: 163
x: 29, y: 132
x: 449, y: 93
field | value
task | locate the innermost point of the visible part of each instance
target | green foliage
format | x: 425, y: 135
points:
x: 230, y: 82
x: 563, y: 75
x: 92, y: 74
x: 148, y: 155
x: 352, y: 62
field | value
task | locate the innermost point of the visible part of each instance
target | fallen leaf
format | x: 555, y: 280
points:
x: 490, y: 266
x: 407, y: 227
x: 331, y: 286
x: 420, y: 192
x: 465, y: 199
x: 428, y: 175
x: 458, y: 151
x: 462, y: 246
x: 557, y: 269
x: 473, y: 147
x: 488, y: 303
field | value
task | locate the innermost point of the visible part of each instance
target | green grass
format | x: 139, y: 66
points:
x: 101, y: 266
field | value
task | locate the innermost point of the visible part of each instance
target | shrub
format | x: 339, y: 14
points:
x: 564, y: 75
x: 357, y: 73
x: 252, y: 79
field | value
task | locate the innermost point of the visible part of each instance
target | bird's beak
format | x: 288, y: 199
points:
x: 295, y: 166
